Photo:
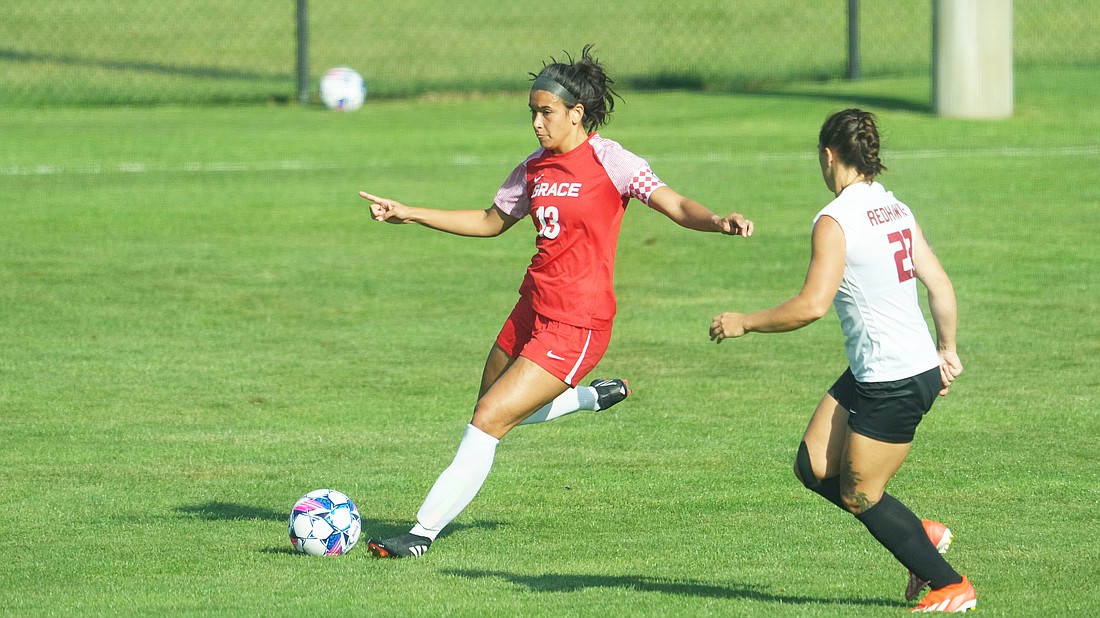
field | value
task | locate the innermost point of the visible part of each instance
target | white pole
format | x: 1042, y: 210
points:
x: 972, y: 58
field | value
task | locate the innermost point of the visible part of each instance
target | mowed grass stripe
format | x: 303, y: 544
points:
x: 221, y: 167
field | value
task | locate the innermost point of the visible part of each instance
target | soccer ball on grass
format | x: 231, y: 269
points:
x: 343, y: 89
x: 324, y: 522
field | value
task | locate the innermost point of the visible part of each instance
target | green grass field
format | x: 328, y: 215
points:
x: 199, y: 324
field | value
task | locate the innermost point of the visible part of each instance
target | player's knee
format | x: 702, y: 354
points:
x: 803, y: 469
x: 491, y: 419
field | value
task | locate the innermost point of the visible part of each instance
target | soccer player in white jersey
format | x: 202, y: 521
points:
x: 868, y: 253
x: 575, y: 188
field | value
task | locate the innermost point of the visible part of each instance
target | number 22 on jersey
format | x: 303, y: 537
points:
x: 548, y: 221
x: 903, y: 257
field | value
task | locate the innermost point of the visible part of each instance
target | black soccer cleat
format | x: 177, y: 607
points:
x: 407, y: 546
x: 610, y: 391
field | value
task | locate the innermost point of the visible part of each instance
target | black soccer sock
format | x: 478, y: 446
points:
x: 830, y: 490
x: 901, y: 532
x: 826, y: 488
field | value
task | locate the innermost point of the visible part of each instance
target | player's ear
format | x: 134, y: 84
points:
x: 576, y: 114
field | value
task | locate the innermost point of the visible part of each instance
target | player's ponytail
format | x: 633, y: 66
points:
x: 586, y: 82
x: 853, y: 136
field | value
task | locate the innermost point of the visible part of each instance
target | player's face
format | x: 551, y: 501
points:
x: 556, y: 126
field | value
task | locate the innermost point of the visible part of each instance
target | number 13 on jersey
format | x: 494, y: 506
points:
x: 548, y: 221
x: 903, y: 258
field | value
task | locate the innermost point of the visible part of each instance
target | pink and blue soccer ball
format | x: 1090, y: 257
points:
x: 324, y: 522
x: 343, y: 89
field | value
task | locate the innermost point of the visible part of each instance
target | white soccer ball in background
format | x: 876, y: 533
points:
x: 343, y: 89
x: 324, y: 522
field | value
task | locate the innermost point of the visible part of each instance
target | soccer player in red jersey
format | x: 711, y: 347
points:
x: 575, y: 187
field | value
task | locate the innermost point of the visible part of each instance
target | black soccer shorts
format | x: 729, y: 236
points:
x: 887, y: 411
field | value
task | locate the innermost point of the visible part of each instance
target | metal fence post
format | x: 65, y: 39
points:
x: 303, y: 52
x: 853, y: 40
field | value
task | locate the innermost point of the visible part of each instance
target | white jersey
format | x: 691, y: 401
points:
x: 887, y: 336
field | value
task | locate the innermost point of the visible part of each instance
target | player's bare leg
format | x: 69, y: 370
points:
x: 825, y: 436
x: 519, y: 390
x: 868, y: 465
x: 817, y: 463
x: 851, y: 471
x: 496, y: 364
x: 600, y: 394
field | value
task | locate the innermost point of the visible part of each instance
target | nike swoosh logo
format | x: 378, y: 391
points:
x: 554, y: 356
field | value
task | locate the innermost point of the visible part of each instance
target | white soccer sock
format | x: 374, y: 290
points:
x: 579, y: 398
x: 458, y: 484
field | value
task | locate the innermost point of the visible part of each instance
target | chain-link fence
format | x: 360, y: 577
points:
x: 99, y: 52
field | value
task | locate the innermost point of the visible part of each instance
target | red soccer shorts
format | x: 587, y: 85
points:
x: 567, y: 352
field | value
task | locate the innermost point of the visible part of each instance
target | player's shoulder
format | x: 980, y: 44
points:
x: 603, y: 144
x: 833, y: 209
x: 609, y: 151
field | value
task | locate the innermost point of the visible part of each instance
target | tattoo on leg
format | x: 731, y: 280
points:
x: 856, y: 499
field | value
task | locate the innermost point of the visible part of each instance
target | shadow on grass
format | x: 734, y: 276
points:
x: 231, y: 511
x: 375, y: 528
x: 774, y: 88
x: 382, y: 528
x: 863, y: 101
x: 143, y: 67
x: 556, y: 582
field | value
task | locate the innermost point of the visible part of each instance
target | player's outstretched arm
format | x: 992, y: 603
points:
x: 822, y: 281
x: 694, y: 216
x: 482, y: 223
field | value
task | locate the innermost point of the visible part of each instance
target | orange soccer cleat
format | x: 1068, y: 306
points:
x: 941, y: 537
x: 958, y: 597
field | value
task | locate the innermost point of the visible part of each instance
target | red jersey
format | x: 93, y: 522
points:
x: 577, y: 201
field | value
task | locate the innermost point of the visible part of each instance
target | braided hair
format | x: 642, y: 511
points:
x: 853, y: 136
